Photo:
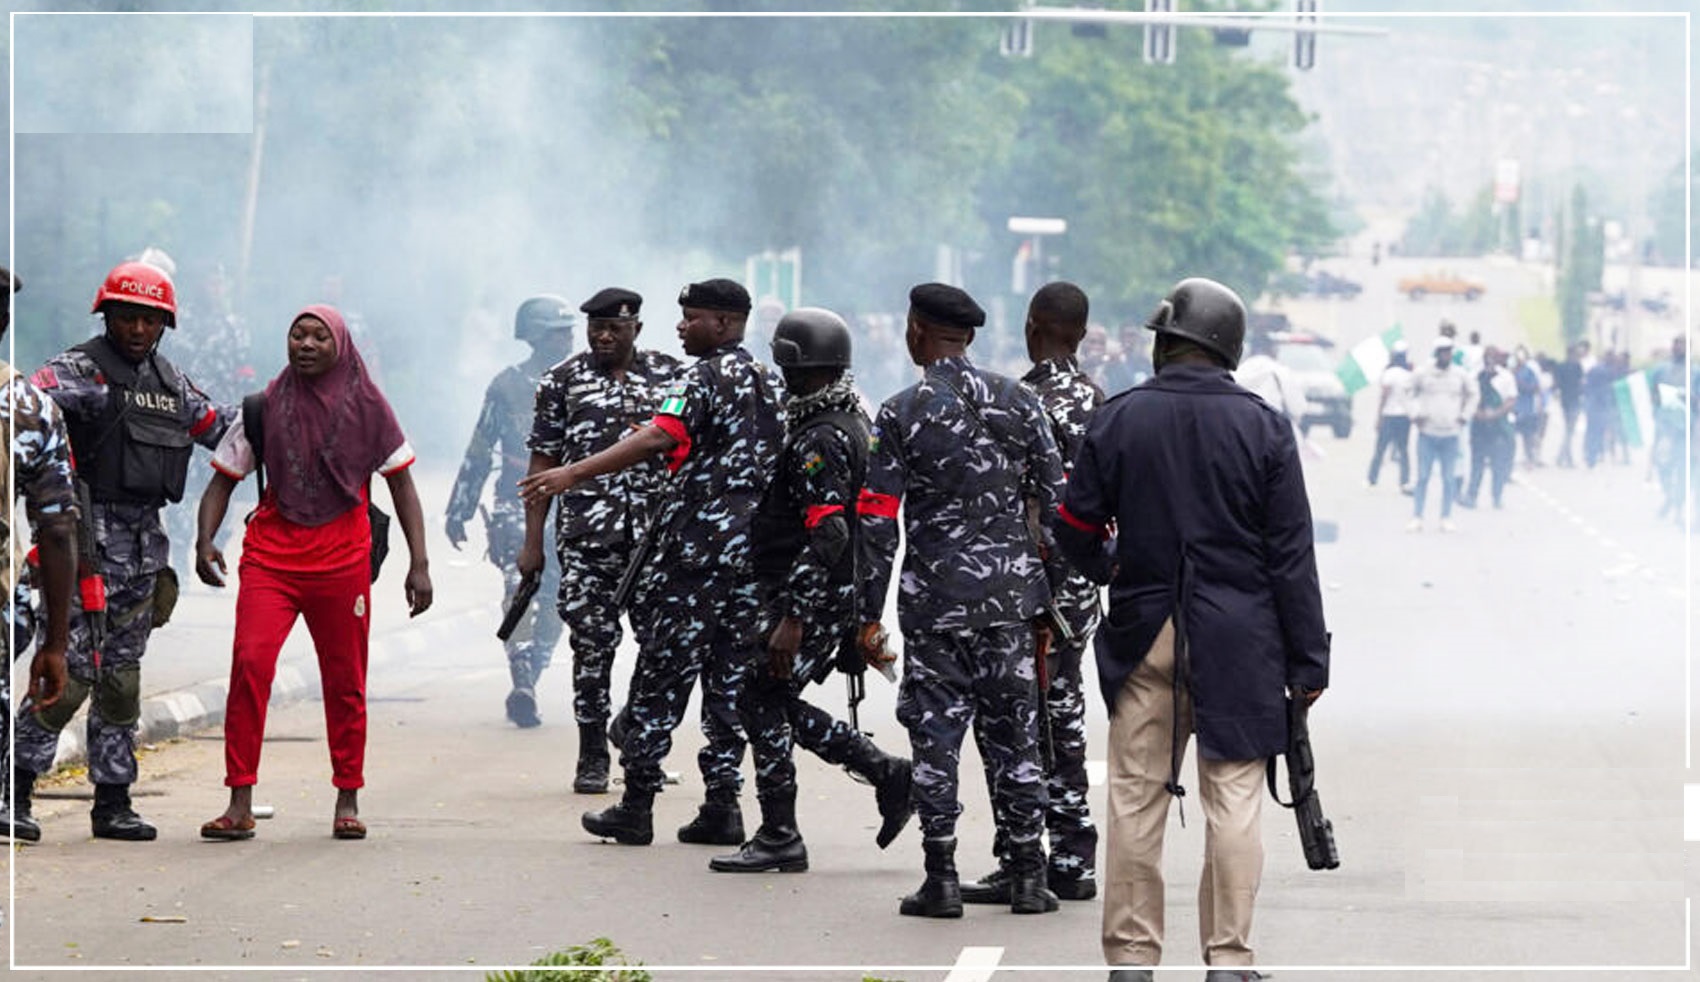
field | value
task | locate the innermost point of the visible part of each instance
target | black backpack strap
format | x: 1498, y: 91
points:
x: 254, y: 428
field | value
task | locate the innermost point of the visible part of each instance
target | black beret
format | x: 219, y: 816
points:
x: 716, y: 294
x: 946, y: 305
x: 612, y: 302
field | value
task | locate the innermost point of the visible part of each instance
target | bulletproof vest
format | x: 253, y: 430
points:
x: 137, y: 450
x: 777, y: 534
x: 519, y: 391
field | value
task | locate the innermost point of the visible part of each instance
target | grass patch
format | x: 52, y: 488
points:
x: 600, y: 952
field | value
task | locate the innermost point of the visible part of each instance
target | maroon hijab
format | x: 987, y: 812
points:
x: 326, y: 436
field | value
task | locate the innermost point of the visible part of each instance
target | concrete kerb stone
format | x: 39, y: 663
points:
x: 183, y: 711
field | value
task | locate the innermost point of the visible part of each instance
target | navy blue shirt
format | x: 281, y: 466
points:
x: 1196, y: 472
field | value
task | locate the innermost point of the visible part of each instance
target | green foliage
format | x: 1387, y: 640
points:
x: 601, y: 952
x: 1162, y: 171
x: 432, y: 165
x: 1665, y: 207
x: 1436, y: 230
x: 1582, y: 261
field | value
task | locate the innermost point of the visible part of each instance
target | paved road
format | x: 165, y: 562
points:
x: 1502, y: 753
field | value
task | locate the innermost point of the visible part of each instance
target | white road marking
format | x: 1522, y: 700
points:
x: 1691, y: 812
x: 975, y: 965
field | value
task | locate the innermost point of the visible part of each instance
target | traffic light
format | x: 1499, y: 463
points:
x: 1017, y: 40
x: 1304, y: 42
x: 1160, y: 38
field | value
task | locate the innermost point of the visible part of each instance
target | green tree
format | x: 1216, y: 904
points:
x: 1581, y: 251
x: 1666, y: 208
x: 1162, y: 171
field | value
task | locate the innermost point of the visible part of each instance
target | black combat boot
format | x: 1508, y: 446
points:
x: 628, y: 823
x: 23, y: 826
x: 719, y: 821
x: 777, y: 845
x: 592, y: 776
x: 112, y: 817
x: 941, y: 893
x: 993, y: 888
x: 522, y: 698
x: 1027, y: 893
x: 892, y: 778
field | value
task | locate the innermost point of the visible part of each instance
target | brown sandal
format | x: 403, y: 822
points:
x: 223, y: 828
x: 348, y: 827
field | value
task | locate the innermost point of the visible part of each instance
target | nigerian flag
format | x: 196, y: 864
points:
x: 1364, y: 363
x: 1635, y: 406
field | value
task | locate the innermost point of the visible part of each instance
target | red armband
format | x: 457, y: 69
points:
x: 819, y: 513
x: 876, y: 504
x: 204, y: 424
x: 1069, y: 519
x: 674, y: 427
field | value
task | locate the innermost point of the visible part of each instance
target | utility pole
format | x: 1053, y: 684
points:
x: 251, y: 204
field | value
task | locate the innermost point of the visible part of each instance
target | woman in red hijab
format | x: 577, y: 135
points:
x: 306, y: 553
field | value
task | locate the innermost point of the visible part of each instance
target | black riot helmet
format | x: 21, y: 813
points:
x: 811, y: 337
x: 1205, y: 312
x: 541, y: 316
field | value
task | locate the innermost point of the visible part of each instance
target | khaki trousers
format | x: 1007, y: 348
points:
x: 1231, y: 792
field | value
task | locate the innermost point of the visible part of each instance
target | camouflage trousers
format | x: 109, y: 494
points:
x: 983, y: 678
x: 702, y: 623
x: 586, y: 605
x: 776, y: 717
x: 1073, y: 837
x: 532, y: 646
x: 113, y: 692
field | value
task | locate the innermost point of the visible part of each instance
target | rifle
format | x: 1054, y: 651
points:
x: 91, y: 586
x: 519, y: 604
x: 1316, y: 833
x: 1042, y: 672
x: 645, y: 550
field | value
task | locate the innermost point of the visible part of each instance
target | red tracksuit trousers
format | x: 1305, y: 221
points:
x: 337, y: 608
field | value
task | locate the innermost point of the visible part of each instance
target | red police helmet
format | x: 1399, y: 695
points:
x: 140, y: 284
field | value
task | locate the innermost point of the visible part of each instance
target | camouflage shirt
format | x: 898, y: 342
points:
x: 500, y: 434
x: 41, y: 452
x: 1068, y: 397
x: 581, y: 409
x: 725, y: 412
x: 970, y: 561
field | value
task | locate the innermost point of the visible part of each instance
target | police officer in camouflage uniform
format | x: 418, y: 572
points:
x: 133, y: 420
x: 1056, y: 323
x: 974, y: 455
x: 805, y: 558
x: 40, y: 474
x: 504, y: 423
x: 584, y: 405
x: 721, y: 427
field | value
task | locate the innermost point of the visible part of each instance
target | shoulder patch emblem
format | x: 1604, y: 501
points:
x: 813, y: 464
x: 673, y: 405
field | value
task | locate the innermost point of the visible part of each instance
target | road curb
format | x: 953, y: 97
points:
x: 185, y: 710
